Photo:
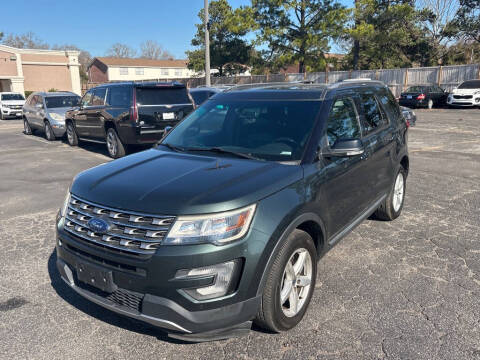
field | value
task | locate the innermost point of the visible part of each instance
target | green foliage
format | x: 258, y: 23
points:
x: 52, y: 90
x: 229, y: 52
x: 387, y: 34
x: 298, y: 31
x: 466, y: 24
x: 28, y: 93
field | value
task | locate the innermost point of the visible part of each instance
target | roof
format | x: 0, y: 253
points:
x: 112, y: 61
x: 54, y: 93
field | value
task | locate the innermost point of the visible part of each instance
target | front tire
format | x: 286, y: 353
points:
x: 27, y: 130
x: 49, y: 135
x: 114, y: 145
x: 392, y: 206
x: 72, y: 137
x: 290, y: 284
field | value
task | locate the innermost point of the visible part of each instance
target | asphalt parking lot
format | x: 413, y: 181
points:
x: 409, y: 289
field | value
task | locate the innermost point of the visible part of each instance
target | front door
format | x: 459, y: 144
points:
x: 81, y: 123
x: 344, y: 181
x: 94, y: 113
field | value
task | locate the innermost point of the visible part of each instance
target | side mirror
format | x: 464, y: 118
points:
x: 345, y: 147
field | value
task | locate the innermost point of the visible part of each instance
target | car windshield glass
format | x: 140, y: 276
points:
x: 416, y: 89
x: 267, y: 130
x: 162, y: 96
x: 61, y: 101
x: 12, y: 97
x: 470, y: 85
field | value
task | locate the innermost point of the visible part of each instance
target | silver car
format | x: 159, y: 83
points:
x: 46, y: 111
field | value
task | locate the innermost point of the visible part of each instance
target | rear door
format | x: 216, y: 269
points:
x: 378, y: 141
x: 161, y: 106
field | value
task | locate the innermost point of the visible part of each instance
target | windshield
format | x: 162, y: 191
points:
x: 162, y: 96
x: 12, y: 97
x: 474, y: 84
x: 61, y: 101
x: 267, y: 130
x: 416, y: 89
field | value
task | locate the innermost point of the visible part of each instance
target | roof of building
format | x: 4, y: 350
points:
x: 112, y: 61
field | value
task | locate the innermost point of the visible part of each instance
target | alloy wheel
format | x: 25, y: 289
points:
x: 296, y: 280
x: 112, y: 143
x: 398, y: 192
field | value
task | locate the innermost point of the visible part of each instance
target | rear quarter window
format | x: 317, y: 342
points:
x: 162, y: 96
x: 119, y: 96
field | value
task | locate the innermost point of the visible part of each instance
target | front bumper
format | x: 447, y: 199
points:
x: 12, y: 112
x: 150, y: 293
x: 474, y: 101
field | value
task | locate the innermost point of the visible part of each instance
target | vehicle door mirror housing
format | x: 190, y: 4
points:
x: 344, y: 148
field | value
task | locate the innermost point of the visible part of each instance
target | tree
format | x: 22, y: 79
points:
x: 386, y: 34
x: 150, y: 49
x: 466, y: 23
x: 229, y: 52
x: 435, y: 16
x: 25, y: 41
x: 298, y: 30
x: 120, y: 50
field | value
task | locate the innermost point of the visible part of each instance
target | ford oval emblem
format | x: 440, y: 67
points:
x: 98, y: 225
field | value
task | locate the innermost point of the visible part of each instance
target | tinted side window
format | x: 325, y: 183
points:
x: 342, y: 121
x: 389, y: 103
x: 39, y: 100
x: 98, y: 97
x: 86, y: 100
x: 371, y: 118
x: 33, y: 100
x: 119, y: 96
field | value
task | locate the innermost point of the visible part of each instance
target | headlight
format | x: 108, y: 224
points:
x: 63, y: 209
x: 217, y: 229
x: 56, y: 116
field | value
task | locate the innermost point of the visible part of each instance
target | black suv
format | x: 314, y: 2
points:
x: 224, y: 221
x: 122, y: 114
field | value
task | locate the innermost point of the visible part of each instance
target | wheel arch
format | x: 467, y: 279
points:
x: 310, y: 223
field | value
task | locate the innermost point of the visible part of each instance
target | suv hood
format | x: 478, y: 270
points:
x: 465, y: 91
x: 13, y: 102
x: 167, y: 183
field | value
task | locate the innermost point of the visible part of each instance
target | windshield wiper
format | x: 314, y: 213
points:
x: 173, y: 147
x: 224, y: 151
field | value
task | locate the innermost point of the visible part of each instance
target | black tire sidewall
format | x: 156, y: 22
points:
x: 394, y: 213
x: 27, y: 128
x: 298, y: 240
x: 74, y: 140
x: 119, y: 145
x: 48, y: 130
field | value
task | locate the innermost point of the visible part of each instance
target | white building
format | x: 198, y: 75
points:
x: 104, y: 69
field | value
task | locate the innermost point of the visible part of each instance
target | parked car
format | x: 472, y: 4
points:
x: 11, y: 105
x: 202, y: 94
x: 423, y: 96
x: 46, y: 111
x: 224, y: 221
x: 121, y: 114
x: 467, y: 94
x: 409, y: 115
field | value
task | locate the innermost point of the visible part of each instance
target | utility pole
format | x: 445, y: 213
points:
x: 207, y: 45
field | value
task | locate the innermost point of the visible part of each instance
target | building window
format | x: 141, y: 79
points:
x: 165, y: 72
x: 138, y: 71
x: 178, y: 72
x: 123, y: 71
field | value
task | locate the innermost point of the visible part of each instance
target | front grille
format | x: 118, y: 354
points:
x: 462, y: 96
x: 122, y: 297
x: 130, y: 233
x: 15, y: 107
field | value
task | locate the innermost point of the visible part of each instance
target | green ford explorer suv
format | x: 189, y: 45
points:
x: 224, y: 221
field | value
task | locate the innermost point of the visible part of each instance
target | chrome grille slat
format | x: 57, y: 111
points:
x: 129, y: 231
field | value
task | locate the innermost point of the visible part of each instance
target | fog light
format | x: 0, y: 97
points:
x: 223, y: 276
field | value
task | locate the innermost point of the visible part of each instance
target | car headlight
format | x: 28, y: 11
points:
x: 64, y: 208
x: 56, y: 116
x: 217, y: 229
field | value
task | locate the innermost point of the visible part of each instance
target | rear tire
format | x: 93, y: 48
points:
x: 72, y: 137
x: 114, y: 145
x: 392, y: 206
x: 27, y: 130
x: 49, y: 135
x: 290, y: 284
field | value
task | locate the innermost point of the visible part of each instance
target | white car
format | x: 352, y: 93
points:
x: 467, y: 94
x: 11, y: 105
